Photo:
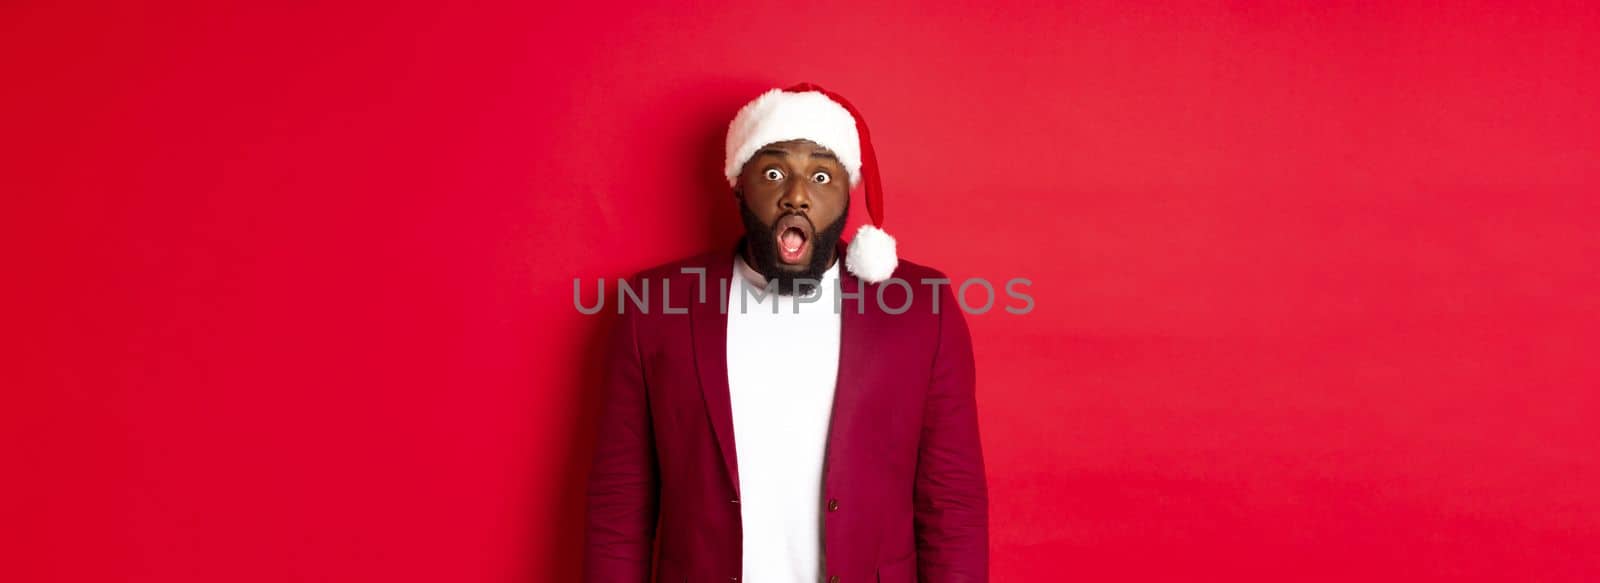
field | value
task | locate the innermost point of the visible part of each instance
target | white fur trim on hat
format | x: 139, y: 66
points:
x: 779, y: 116
x: 871, y: 254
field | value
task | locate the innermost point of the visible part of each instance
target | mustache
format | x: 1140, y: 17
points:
x: 781, y: 217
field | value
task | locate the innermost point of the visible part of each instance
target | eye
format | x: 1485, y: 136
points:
x: 821, y: 178
x: 774, y: 175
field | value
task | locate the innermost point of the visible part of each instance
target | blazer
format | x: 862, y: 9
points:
x: 903, y: 477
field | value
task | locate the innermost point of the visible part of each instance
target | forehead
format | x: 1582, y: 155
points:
x: 806, y: 147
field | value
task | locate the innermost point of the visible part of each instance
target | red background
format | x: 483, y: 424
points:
x: 289, y: 288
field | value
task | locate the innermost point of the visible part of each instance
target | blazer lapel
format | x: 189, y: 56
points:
x: 709, y: 326
x: 708, y: 322
x: 855, y: 342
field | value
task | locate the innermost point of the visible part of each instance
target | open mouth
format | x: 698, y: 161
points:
x: 794, y: 234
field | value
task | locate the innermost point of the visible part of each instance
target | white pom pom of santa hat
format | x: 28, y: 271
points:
x: 808, y: 112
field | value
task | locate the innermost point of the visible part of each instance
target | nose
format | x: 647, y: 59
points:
x: 796, y: 198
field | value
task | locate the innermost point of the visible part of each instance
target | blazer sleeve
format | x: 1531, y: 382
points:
x: 623, y: 488
x: 951, y: 495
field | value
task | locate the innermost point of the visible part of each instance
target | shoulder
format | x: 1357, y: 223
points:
x: 924, y: 281
x: 914, y: 291
x: 668, y: 281
x: 667, y: 292
x: 913, y: 273
x: 690, y: 266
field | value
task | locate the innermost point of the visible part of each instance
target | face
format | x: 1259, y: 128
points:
x: 794, y: 197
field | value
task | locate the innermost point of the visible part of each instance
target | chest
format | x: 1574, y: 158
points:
x: 782, y: 365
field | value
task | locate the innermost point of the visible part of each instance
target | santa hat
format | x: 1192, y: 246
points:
x: 809, y: 112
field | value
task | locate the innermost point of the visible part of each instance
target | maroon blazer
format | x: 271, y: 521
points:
x: 904, y: 488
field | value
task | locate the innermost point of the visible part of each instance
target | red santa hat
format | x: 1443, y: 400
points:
x: 809, y: 112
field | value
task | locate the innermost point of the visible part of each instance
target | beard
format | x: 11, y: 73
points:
x: 761, y: 242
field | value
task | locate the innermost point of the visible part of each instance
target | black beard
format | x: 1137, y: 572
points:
x: 762, y: 244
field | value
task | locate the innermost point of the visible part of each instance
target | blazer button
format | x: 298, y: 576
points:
x: 833, y: 579
x: 833, y: 504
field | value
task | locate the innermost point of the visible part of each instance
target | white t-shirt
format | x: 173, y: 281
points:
x: 782, y: 370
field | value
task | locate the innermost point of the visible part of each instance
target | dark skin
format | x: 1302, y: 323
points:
x: 797, y: 184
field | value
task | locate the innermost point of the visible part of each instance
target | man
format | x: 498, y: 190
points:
x: 784, y: 420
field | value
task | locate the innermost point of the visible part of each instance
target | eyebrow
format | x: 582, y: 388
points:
x: 785, y: 154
